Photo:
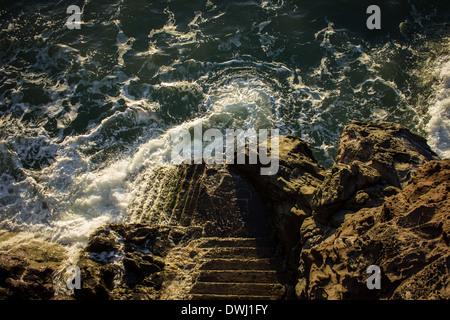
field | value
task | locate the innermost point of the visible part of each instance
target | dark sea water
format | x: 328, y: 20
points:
x: 84, y: 111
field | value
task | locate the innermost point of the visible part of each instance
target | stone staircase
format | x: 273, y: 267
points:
x: 232, y: 256
x: 238, y: 269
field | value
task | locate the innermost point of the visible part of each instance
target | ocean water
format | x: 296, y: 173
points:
x: 85, y: 113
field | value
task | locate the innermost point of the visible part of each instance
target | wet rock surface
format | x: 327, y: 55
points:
x: 218, y: 199
x: 28, y: 266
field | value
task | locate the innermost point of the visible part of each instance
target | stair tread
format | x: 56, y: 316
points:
x: 235, y: 242
x: 238, y: 268
x: 238, y: 264
x: 239, y: 288
x: 239, y: 252
x: 262, y: 276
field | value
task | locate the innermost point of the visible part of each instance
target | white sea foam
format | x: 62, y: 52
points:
x: 439, y: 125
x: 68, y: 199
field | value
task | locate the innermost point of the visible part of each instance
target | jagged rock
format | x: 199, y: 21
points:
x: 407, y: 237
x: 103, y: 241
x: 388, y: 147
x: 371, y: 157
x: 28, y: 266
x: 127, y: 261
x: 288, y: 194
x: 297, y: 177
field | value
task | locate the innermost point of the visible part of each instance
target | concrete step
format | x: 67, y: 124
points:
x: 238, y: 268
x: 238, y: 264
x: 248, y: 276
x: 274, y: 290
x: 235, y: 242
x: 239, y: 253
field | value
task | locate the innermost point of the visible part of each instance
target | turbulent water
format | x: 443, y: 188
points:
x: 83, y: 112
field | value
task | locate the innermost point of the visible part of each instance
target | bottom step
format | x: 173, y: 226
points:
x: 274, y: 290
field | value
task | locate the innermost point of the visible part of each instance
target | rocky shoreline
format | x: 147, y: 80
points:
x: 226, y: 232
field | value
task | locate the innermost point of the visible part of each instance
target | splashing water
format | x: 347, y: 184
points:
x: 83, y: 113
